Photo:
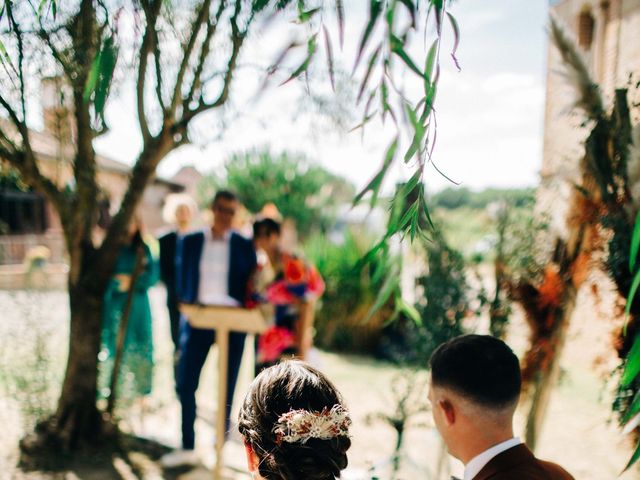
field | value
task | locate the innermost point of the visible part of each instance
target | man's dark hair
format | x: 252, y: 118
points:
x: 265, y: 228
x: 479, y: 367
x: 223, y: 195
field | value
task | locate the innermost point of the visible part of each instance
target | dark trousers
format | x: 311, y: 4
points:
x: 194, y: 347
x: 174, y: 319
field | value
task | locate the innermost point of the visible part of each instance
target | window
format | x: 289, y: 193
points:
x: 22, y: 212
x: 586, y: 29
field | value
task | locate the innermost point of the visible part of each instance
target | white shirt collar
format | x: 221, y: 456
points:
x: 209, y: 236
x: 478, y: 462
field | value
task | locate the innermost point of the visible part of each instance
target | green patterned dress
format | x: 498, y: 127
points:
x: 136, y: 369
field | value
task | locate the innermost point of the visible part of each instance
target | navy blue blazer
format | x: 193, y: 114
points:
x: 242, y: 264
x: 168, y: 262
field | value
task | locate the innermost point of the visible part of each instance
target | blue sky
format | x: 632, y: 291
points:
x: 490, y: 115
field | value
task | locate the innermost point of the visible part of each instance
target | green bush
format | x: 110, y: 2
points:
x: 342, y: 321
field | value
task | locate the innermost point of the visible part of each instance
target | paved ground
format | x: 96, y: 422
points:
x: 578, y: 432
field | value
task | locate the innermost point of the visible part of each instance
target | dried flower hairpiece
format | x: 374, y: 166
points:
x: 303, y: 425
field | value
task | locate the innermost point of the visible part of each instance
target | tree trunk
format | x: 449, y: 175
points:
x: 77, y: 421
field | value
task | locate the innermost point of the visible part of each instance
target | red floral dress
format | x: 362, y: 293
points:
x: 296, y: 282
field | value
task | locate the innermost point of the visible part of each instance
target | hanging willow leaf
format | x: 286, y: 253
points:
x: 370, y: 65
x: 634, y: 458
x: 259, y: 5
x: 311, y: 50
x: 376, y: 182
x: 304, y: 17
x: 632, y: 293
x: 92, y: 78
x: 408, y: 310
x: 428, y: 66
x: 340, y: 15
x: 635, y: 244
x: 374, y: 12
x: 397, y: 47
x: 412, y: 11
x: 632, y: 368
x: 418, y: 136
x: 327, y: 41
x: 456, y: 39
x: 633, y: 410
x: 108, y: 61
x: 390, y: 285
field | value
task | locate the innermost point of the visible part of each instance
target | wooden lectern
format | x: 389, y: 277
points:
x: 223, y: 320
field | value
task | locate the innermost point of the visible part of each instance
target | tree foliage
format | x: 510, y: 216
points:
x: 301, y: 190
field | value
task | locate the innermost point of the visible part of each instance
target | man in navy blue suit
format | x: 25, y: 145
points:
x: 214, y: 268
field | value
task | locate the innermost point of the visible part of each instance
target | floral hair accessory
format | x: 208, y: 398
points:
x: 302, y: 425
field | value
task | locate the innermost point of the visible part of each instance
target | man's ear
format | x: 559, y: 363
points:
x: 252, y: 458
x: 448, y: 411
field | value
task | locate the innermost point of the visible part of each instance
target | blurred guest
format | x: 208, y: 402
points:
x: 136, y: 369
x: 215, y: 268
x: 292, y: 289
x: 179, y: 210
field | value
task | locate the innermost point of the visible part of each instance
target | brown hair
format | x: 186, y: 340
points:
x: 291, y: 385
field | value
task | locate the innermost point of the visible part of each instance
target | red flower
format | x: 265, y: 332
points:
x: 273, y: 342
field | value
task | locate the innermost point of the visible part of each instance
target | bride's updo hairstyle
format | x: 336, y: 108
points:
x: 294, y: 420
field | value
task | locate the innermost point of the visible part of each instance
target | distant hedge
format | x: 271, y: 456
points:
x: 451, y: 198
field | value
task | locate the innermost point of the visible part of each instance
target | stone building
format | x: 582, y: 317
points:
x: 28, y: 220
x: 608, y: 33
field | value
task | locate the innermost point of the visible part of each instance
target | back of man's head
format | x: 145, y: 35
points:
x: 480, y: 368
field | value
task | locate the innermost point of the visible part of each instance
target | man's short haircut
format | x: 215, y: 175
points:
x: 223, y: 195
x: 481, y: 368
x: 265, y: 228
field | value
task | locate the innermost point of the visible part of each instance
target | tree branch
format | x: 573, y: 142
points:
x: 204, y: 53
x: 237, y: 39
x: 151, y: 10
x: 18, y: 34
x: 156, y: 57
x: 201, y: 17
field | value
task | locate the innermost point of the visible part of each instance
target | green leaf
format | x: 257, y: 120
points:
x: 390, y: 285
x: 419, y: 130
x: 259, y: 5
x: 633, y: 410
x: 412, y: 10
x: 429, y: 64
x: 108, y: 62
x: 304, y: 17
x: 635, y: 244
x: 92, y: 78
x: 634, y: 458
x: 374, y: 12
x: 456, y: 39
x: 311, y: 50
x: 370, y: 65
x: 376, y: 182
x: 632, y: 293
x: 340, y: 15
x: 632, y: 367
x: 327, y: 41
x: 397, y: 47
x: 409, y: 310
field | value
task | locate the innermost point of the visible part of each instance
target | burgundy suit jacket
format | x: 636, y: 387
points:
x: 518, y: 463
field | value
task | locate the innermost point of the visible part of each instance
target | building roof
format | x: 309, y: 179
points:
x: 47, y: 147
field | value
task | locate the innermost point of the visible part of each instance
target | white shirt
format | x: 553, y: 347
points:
x: 478, y: 462
x: 214, y: 271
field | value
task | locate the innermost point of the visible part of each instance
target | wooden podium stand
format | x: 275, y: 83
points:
x: 223, y: 320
